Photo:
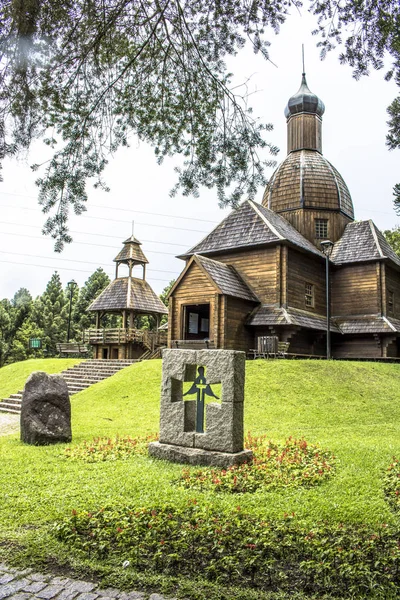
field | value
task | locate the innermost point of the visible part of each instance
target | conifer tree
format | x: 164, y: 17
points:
x: 82, y: 319
x: 50, y: 313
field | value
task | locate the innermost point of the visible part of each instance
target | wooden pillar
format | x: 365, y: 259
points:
x: 215, y: 320
x: 171, y: 323
x: 284, y: 276
x: 382, y: 281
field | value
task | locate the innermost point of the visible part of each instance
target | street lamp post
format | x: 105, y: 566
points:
x: 71, y: 285
x: 327, y: 246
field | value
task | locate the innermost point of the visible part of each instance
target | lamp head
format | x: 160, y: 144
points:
x: 327, y: 247
x: 71, y: 284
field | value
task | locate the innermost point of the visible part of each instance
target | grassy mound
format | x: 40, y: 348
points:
x: 352, y: 409
x: 13, y: 377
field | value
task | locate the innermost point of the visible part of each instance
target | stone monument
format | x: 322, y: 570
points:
x: 45, y: 410
x: 183, y: 437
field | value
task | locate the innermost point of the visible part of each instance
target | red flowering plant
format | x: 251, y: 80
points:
x: 290, y: 464
x: 391, y: 484
x: 105, y: 448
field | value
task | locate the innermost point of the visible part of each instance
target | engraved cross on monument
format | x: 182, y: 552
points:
x: 182, y: 435
x: 202, y: 389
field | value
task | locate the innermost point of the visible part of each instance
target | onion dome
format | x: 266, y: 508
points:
x: 306, y: 179
x: 304, y: 101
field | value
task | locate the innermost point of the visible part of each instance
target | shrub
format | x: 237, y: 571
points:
x: 105, y: 448
x: 235, y: 548
x: 391, y: 484
x: 293, y: 463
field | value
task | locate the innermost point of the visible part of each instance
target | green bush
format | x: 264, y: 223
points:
x: 235, y: 548
x: 391, y: 484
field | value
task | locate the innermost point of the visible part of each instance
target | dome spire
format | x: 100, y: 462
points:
x: 304, y: 118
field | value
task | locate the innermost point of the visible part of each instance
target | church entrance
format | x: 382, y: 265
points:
x: 196, y: 322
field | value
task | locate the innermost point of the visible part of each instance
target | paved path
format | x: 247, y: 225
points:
x: 28, y: 585
x: 9, y: 423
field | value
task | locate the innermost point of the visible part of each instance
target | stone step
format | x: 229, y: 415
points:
x: 11, y: 401
x: 9, y: 409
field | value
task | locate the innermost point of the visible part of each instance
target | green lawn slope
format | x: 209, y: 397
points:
x: 352, y: 409
x: 13, y: 377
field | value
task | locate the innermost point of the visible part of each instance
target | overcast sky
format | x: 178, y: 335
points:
x: 354, y: 130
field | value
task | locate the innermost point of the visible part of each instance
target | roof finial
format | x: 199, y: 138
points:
x: 302, y: 52
x: 133, y: 227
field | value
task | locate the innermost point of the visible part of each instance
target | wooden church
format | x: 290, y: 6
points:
x: 262, y: 271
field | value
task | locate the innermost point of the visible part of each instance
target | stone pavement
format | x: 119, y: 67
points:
x: 28, y: 585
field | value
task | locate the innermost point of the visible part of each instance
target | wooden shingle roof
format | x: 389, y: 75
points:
x: 367, y: 324
x: 224, y: 278
x: 362, y: 242
x: 250, y: 225
x: 131, y: 252
x: 227, y: 279
x: 129, y: 293
x: 306, y: 179
x: 270, y: 315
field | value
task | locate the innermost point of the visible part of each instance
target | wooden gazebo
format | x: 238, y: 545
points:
x: 130, y: 297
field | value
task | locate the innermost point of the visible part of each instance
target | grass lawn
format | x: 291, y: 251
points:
x: 13, y: 377
x: 352, y: 409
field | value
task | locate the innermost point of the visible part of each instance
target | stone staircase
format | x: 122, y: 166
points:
x: 78, y: 378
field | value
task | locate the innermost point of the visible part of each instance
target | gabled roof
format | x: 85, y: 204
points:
x: 270, y: 315
x: 250, y: 225
x: 360, y: 242
x: 223, y: 277
x: 129, y: 293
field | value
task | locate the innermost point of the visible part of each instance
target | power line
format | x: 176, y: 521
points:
x: 37, y: 237
x: 114, y: 237
x: 85, y: 262
x: 142, y: 212
x: 64, y: 269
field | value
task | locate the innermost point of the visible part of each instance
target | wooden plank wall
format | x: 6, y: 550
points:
x: 304, y: 221
x: 238, y: 336
x: 304, y: 131
x: 393, y: 284
x: 356, y: 346
x: 356, y: 290
x: 258, y: 268
x: 195, y: 288
x: 303, y: 269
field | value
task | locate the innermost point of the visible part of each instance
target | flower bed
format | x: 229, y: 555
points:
x: 290, y: 464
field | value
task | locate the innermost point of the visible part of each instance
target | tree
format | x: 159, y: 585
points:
x: 368, y: 31
x: 86, y: 75
x: 393, y: 237
x: 16, y: 328
x: 96, y: 283
x: 50, y: 314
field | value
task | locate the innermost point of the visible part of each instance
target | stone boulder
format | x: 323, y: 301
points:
x: 45, y: 410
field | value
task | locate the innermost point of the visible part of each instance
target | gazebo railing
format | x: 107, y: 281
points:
x: 150, y: 339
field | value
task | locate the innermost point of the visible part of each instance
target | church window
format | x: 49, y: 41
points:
x: 309, y: 294
x: 321, y: 228
x: 390, y: 301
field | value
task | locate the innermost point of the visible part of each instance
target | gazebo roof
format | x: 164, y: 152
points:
x: 129, y: 293
x: 131, y: 252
